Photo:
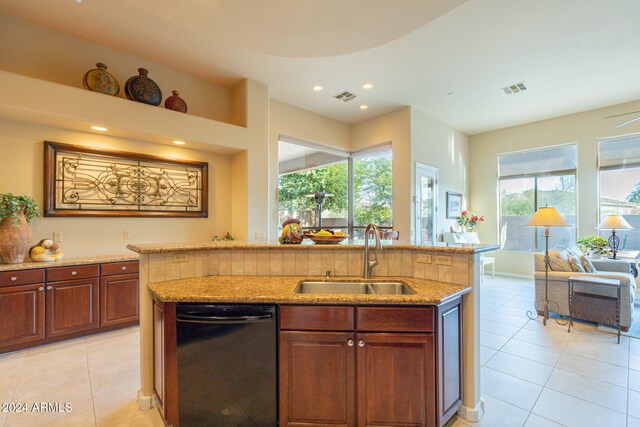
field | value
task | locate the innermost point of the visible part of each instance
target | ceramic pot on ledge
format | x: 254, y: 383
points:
x: 15, y: 240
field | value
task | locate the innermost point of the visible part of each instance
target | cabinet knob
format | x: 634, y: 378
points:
x: 124, y: 268
x: 41, y: 288
x: 360, y: 343
x: 350, y: 343
x: 73, y: 273
x: 14, y: 278
x: 49, y: 288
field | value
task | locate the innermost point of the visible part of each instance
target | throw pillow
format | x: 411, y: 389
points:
x: 576, y: 264
x: 587, y: 264
x: 559, y: 261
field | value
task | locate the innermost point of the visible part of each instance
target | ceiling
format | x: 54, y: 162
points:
x: 448, y: 58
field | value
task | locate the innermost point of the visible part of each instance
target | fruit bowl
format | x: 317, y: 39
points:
x: 325, y: 239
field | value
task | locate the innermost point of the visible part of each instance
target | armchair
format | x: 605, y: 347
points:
x: 559, y: 285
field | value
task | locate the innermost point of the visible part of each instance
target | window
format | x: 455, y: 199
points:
x: 308, y: 168
x: 619, y: 164
x: 530, y: 180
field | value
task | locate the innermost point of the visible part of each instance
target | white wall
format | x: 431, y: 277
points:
x: 584, y: 129
x: 436, y: 144
x: 21, y: 172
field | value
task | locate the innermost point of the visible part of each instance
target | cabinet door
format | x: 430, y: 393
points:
x: 317, y: 373
x: 22, y: 314
x: 450, y: 360
x: 118, y: 300
x: 72, y: 307
x: 396, y: 379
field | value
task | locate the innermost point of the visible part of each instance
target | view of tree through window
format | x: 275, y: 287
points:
x: 620, y: 187
x: 372, y: 193
x: 549, y: 180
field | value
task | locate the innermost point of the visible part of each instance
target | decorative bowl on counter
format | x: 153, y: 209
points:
x: 325, y: 239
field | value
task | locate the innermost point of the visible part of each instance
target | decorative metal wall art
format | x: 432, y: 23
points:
x: 82, y: 181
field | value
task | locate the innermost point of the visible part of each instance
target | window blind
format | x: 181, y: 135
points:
x: 538, y: 162
x: 619, y: 152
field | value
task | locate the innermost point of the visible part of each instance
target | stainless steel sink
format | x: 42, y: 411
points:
x: 355, y: 288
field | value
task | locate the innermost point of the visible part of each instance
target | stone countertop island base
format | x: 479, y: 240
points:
x: 262, y: 272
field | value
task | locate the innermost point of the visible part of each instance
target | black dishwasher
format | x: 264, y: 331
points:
x: 227, y: 368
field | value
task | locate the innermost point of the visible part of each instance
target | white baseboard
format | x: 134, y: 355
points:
x: 472, y: 414
x: 146, y: 402
x: 518, y: 276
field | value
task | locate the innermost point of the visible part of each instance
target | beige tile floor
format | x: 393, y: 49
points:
x: 98, y: 375
x: 536, y: 376
x: 531, y: 375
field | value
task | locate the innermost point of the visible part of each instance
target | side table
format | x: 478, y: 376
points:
x: 595, y: 299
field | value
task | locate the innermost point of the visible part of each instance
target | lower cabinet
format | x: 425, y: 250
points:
x: 22, y: 311
x: 72, y: 307
x: 118, y: 299
x: 377, y: 366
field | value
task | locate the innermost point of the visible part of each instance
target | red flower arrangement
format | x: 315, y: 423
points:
x: 468, y: 221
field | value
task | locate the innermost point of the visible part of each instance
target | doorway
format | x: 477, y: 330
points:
x: 426, y: 192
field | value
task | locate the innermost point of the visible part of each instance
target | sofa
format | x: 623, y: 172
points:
x: 559, y: 285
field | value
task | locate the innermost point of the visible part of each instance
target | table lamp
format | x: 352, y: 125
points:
x: 546, y: 217
x: 613, y: 223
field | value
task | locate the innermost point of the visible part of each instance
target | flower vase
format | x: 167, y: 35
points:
x: 15, y: 240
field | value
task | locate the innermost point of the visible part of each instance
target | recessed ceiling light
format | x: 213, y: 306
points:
x: 364, y: 106
x: 179, y: 142
x: 367, y: 86
x: 99, y: 128
x: 317, y: 88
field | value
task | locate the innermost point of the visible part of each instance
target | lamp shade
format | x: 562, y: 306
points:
x: 547, y: 217
x: 614, y: 222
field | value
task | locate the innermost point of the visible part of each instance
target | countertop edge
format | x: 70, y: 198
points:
x: 98, y: 259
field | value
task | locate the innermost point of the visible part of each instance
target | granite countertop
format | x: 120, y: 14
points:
x: 30, y: 265
x: 280, y: 290
x: 307, y: 245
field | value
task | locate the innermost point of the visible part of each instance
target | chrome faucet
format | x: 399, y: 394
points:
x: 370, y: 263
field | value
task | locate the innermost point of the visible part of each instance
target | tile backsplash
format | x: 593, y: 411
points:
x: 447, y: 267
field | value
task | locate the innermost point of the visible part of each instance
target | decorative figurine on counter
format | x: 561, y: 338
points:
x: 291, y: 232
x: 228, y: 237
x: 216, y: 238
x: 46, y: 250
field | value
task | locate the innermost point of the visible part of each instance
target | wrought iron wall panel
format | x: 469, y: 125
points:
x: 81, y: 181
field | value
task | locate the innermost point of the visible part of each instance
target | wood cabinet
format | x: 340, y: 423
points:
x: 44, y: 305
x: 165, y: 360
x: 22, y: 313
x: 388, y: 369
x: 119, y: 288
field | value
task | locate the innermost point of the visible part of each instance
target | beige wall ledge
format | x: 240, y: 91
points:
x: 30, y: 265
x: 346, y: 245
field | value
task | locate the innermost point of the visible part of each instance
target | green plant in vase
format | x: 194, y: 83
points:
x: 16, y: 212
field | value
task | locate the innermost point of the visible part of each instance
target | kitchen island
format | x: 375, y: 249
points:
x: 260, y: 273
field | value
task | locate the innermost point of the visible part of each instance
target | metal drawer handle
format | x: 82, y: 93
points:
x: 73, y: 273
x: 360, y: 343
x: 350, y: 343
x: 49, y: 288
x: 124, y: 268
x: 14, y: 278
x: 41, y: 288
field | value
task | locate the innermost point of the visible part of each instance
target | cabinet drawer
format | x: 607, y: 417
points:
x: 316, y: 318
x: 394, y: 319
x: 21, y: 277
x: 113, y: 268
x: 74, y: 272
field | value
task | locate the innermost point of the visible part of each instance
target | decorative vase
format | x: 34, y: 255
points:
x: 174, y: 102
x: 291, y: 232
x: 15, y: 240
x: 141, y: 88
x: 99, y: 80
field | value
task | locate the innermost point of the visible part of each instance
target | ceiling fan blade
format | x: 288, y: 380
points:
x: 627, y: 122
x: 623, y: 114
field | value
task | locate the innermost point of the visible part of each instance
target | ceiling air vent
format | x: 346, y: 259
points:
x: 514, y: 88
x: 345, y: 96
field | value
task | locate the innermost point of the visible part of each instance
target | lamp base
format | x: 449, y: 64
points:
x: 544, y: 303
